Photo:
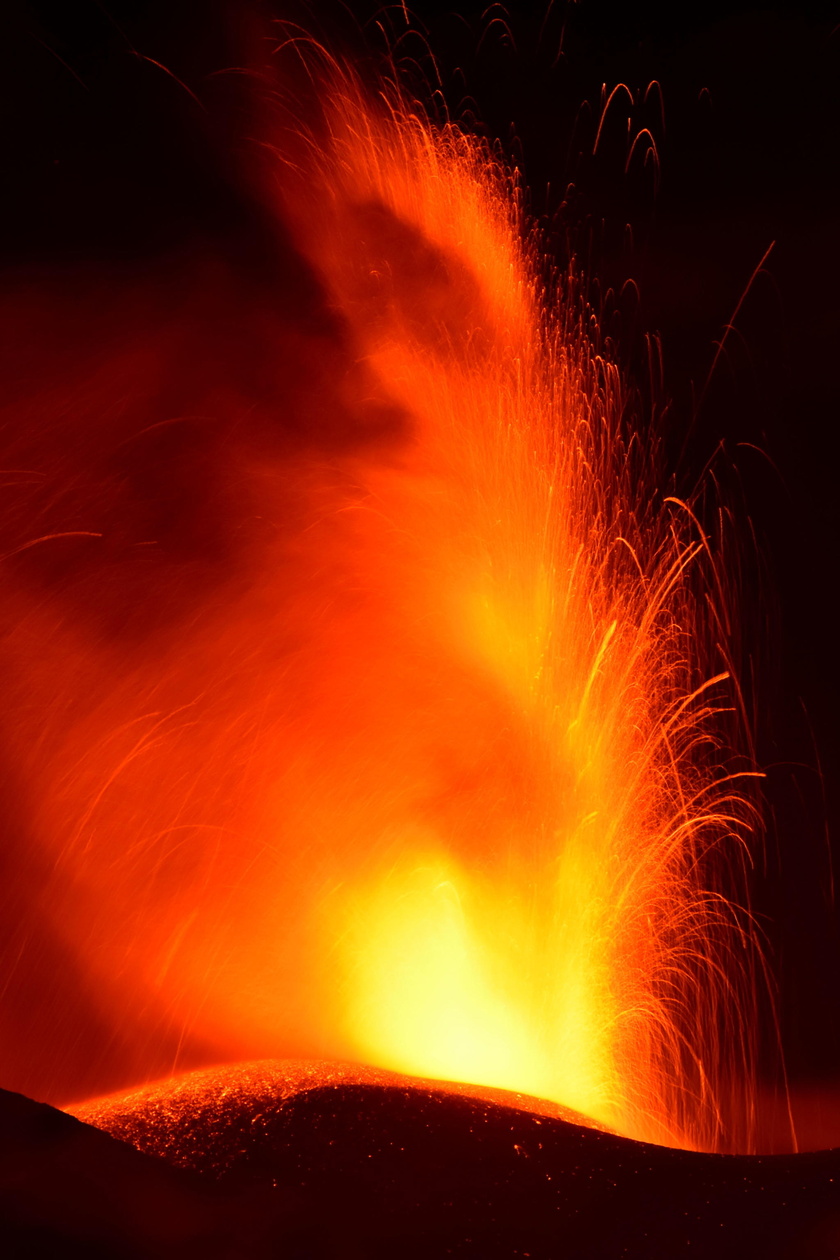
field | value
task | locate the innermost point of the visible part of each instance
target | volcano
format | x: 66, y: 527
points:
x: 325, y: 1161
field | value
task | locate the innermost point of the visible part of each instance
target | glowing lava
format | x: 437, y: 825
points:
x: 424, y: 765
x: 536, y: 910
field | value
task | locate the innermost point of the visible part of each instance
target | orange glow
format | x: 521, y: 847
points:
x: 433, y: 776
x: 534, y: 915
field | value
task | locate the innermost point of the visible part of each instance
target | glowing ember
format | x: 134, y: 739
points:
x: 434, y: 776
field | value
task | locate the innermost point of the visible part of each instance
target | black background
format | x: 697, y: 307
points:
x: 107, y: 158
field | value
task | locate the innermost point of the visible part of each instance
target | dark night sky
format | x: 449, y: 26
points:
x: 105, y: 158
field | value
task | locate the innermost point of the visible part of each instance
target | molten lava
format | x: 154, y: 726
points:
x: 535, y: 911
x: 417, y: 757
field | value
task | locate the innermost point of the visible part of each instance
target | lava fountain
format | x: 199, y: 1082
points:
x: 421, y: 754
x: 539, y: 905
